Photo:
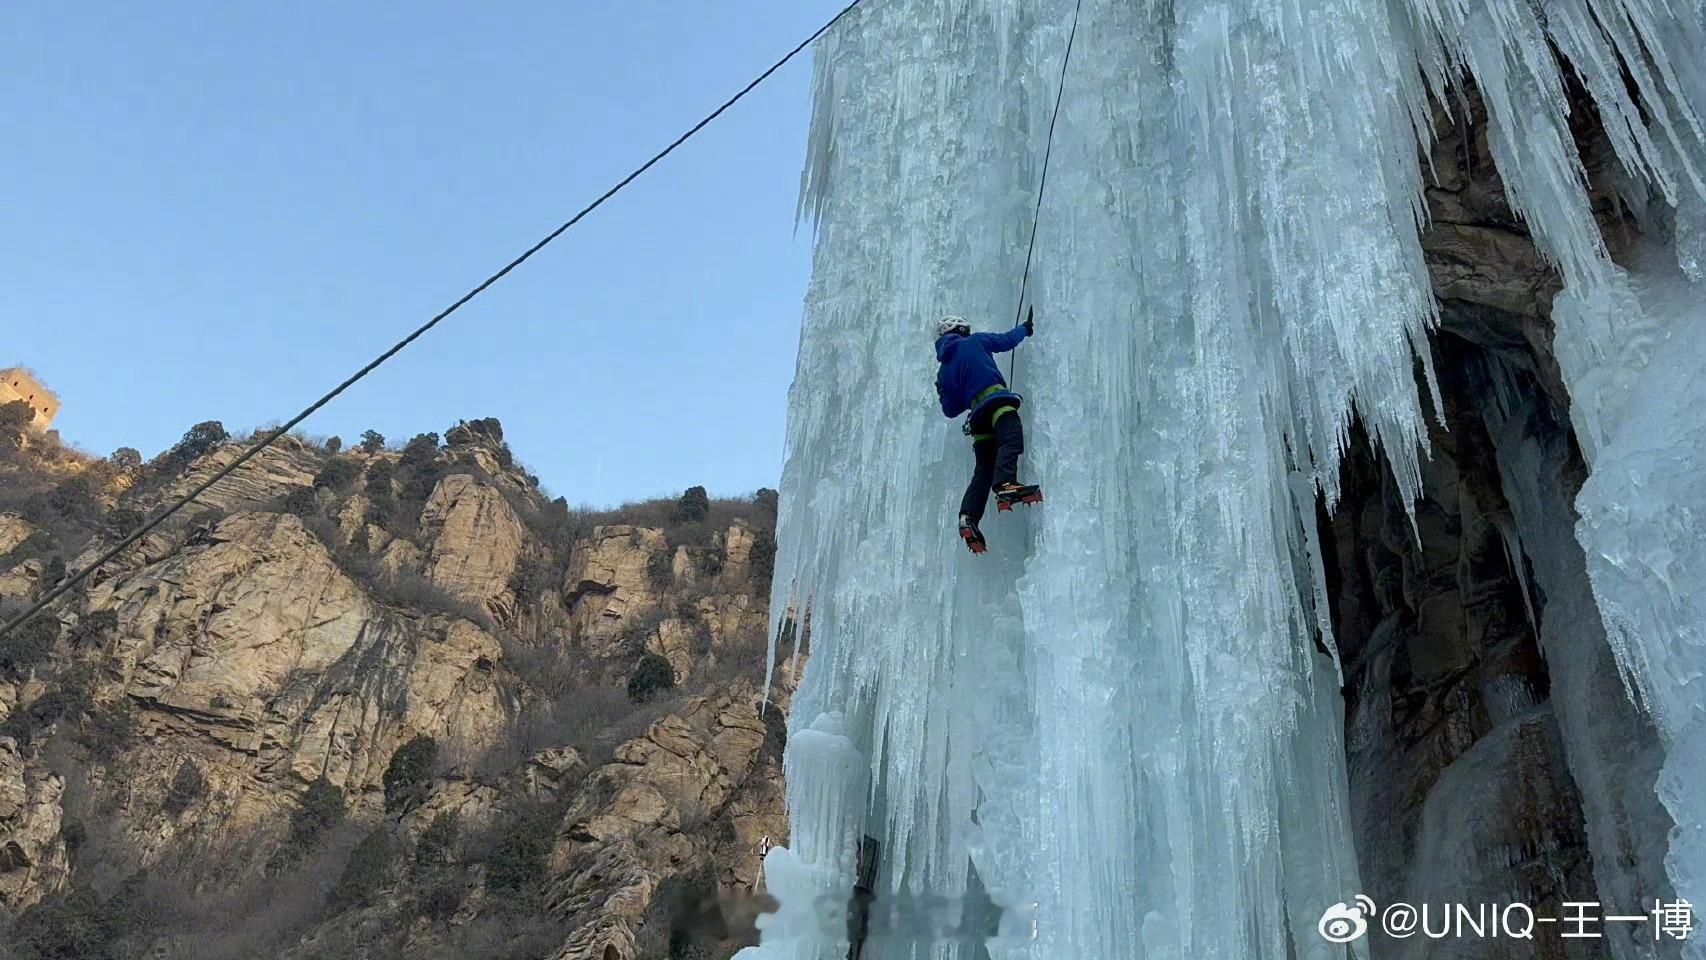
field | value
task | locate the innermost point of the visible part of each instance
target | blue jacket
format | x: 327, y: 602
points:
x: 968, y: 368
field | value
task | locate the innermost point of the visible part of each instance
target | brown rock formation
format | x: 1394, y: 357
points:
x: 226, y: 710
x: 609, y: 581
x: 32, y: 854
x: 19, y: 583
x: 253, y: 651
x: 640, y: 823
x: 473, y: 541
x: 14, y: 530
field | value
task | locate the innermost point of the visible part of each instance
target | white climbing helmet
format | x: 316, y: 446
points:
x: 959, y: 325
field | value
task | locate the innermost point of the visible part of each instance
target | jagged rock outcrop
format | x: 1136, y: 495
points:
x: 20, y: 582
x: 399, y: 558
x: 610, y: 581
x: 287, y: 465
x: 33, y: 860
x: 697, y: 634
x: 1446, y: 685
x: 14, y: 530
x: 226, y: 709
x: 473, y: 541
x: 254, y: 641
x: 736, y: 543
x: 682, y: 642
x: 637, y: 824
x: 685, y: 766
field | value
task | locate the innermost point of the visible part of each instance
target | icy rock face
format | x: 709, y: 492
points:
x: 1629, y: 338
x: 1641, y: 516
x: 1492, y: 750
x: 1120, y: 713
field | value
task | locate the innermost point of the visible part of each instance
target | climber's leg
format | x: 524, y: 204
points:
x: 1010, y: 442
x: 982, y: 476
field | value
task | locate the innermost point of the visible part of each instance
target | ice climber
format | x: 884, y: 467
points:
x: 969, y: 382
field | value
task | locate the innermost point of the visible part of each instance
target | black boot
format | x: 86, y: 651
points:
x: 972, y: 535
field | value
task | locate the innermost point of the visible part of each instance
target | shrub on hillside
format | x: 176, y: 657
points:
x: 396, y: 508
x: 299, y: 502
x: 441, y: 899
x: 15, y: 419
x: 198, y: 440
x: 27, y: 646
x: 66, y: 698
x: 437, y: 843
x: 121, y: 520
x: 663, y: 514
x: 107, y: 732
x: 709, y: 561
x: 410, y: 773
x: 372, y: 441
x: 693, y: 506
x: 68, y: 926
x: 51, y: 573
x: 76, y: 500
x: 337, y: 474
x: 320, y: 808
x: 652, y: 675
x: 382, y: 510
x: 187, y: 788
x: 660, y: 568
x: 368, y: 869
x: 126, y: 460
x: 418, y: 485
x: 763, y: 556
x: 421, y: 450
x: 74, y: 834
x: 94, y: 629
x: 521, y: 846
x: 533, y: 576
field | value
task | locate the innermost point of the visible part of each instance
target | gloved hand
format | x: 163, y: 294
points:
x: 1030, y: 324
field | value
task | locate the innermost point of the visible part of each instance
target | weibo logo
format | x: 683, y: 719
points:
x: 1344, y: 922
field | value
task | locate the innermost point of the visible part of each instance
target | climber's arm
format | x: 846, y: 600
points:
x: 1002, y: 342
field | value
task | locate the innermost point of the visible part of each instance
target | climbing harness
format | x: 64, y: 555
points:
x: 1042, y: 182
x: 143, y: 529
x: 996, y: 414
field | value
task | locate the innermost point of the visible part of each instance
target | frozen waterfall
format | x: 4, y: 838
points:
x: 1127, y: 713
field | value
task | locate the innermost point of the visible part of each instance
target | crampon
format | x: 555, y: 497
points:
x: 972, y: 536
x: 1009, y: 494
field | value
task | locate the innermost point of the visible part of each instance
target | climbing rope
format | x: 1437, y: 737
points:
x: 1042, y: 183
x: 267, y: 441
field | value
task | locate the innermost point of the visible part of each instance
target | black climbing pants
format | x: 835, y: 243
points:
x: 997, y: 440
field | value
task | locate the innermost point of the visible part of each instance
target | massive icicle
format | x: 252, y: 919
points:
x: 1120, y: 713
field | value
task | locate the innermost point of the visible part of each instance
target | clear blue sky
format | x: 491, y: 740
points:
x: 217, y: 210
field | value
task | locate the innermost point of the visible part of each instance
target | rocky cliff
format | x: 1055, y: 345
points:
x: 381, y: 703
